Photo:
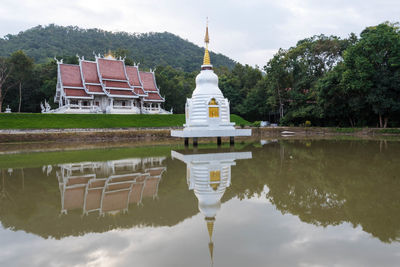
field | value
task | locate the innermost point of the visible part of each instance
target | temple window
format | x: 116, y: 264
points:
x: 123, y: 103
x: 213, y: 109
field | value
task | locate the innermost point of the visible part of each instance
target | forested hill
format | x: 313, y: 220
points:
x: 150, y: 49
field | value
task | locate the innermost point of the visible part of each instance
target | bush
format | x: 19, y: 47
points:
x: 256, y: 124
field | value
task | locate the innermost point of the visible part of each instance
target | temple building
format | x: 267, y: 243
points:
x: 108, y: 187
x: 208, y: 175
x: 106, y: 85
x: 207, y: 112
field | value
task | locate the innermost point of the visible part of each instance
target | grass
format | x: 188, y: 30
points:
x: 64, y: 121
x: 346, y: 130
x: 390, y: 131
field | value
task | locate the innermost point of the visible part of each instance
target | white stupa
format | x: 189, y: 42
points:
x: 207, y: 112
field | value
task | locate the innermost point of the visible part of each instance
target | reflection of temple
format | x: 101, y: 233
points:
x: 108, y: 187
x: 208, y: 175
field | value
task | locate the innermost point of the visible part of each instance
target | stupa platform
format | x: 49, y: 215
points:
x: 193, y: 133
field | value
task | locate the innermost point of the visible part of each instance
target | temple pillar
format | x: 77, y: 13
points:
x: 80, y: 104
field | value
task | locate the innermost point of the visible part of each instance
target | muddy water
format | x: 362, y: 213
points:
x: 270, y: 203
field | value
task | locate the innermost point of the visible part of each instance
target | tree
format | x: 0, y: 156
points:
x: 175, y: 86
x: 338, y: 102
x: 5, y: 70
x: 22, y: 71
x: 125, y: 54
x: 237, y: 86
x: 278, y: 81
x: 372, y: 67
x: 293, y: 74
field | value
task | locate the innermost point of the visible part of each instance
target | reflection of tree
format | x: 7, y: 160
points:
x: 4, y: 195
x: 334, y: 182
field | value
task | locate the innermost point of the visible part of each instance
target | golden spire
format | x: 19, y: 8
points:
x: 206, y: 60
x: 210, y: 228
x: 207, y: 38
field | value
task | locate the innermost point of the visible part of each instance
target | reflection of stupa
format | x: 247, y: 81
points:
x: 208, y: 175
x: 108, y: 187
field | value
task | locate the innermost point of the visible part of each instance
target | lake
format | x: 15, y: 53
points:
x: 264, y: 203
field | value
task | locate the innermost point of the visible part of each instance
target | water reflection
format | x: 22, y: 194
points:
x: 208, y: 175
x: 108, y: 187
x: 345, y: 191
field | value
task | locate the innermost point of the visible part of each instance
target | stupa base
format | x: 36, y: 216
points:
x: 194, y: 133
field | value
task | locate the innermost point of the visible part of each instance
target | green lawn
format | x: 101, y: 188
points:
x: 61, y: 121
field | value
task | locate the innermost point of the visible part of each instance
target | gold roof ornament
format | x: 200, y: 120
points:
x: 109, y: 55
x: 206, y: 60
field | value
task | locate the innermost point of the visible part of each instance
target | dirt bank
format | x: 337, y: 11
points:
x: 154, y: 134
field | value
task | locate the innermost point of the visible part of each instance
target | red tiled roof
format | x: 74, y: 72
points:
x: 89, y: 70
x: 116, y: 84
x: 147, y: 79
x: 94, y: 88
x: 121, y: 92
x: 133, y: 75
x: 71, y: 75
x: 139, y: 91
x: 153, y: 96
x: 75, y: 92
x: 111, y: 69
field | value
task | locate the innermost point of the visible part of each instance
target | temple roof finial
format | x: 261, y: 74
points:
x: 109, y: 55
x: 206, y: 60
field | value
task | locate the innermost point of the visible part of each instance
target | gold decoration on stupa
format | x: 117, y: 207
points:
x: 206, y: 60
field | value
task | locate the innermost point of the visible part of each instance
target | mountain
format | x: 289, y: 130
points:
x: 150, y: 49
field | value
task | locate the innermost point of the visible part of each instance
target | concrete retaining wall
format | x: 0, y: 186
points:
x: 82, y: 135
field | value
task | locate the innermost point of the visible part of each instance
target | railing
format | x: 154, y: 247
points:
x: 124, y: 107
x: 151, y: 109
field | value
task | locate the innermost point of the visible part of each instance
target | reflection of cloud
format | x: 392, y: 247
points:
x: 255, y: 231
x: 237, y: 28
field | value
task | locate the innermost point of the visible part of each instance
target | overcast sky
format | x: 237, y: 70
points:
x: 248, y: 31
